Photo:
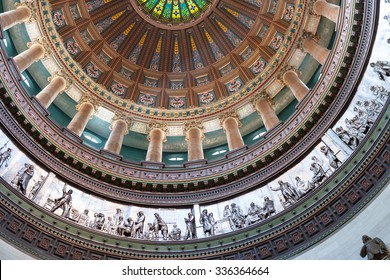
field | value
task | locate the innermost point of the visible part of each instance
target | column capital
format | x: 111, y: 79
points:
x: 120, y: 116
x: 157, y: 125
x: 88, y: 99
x: 193, y: 124
x: 306, y: 35
x: 31, y: 5
x: 61, y: 73
x: 310, y: 5
x: 44, y: 43
x: 261, y: 95
x: 229, y: 114
x: 287, y: 68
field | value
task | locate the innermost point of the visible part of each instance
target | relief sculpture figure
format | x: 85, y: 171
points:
x: 64, y: 202
x: 374, y: 249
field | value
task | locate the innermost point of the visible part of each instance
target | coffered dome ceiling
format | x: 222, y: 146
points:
x: 181, y: 54
x: 178, y: 61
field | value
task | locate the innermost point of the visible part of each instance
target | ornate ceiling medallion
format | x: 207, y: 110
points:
x: 173, y: 13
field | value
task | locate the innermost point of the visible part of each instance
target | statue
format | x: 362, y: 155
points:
x: 120, y: 226
x: 382, y: 68
x: 160, y: 225
x: 254, y: 214
x: 289, y: 193
x: 128, y: 227
x: 23, y: 177
x: 380, y: 93
x: 35, y: 188
x: 318, y: 172
x: 227, y: 214
x: 109, y: 225
x: 333, y: 160
x: 268, y: 207
x: 204, y: 220
x: 99, y: 222
x: 238, y: 217
x: 117, y: 215
x: 84, y: 218
x: 65, y: 202
x: 190, y: 227
x: 175, y: 233
x: 5, y: 157
x: 303, y: 187
x: 93, y: 223
x: 347, y: 138
x: 374, y: 249
x: 138, y: 228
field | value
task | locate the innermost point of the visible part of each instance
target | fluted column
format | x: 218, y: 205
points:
x: 34, y: 53
x: 297, y: 87
x: 266, y: 112
x: 318, y: 52
x: 156, y: 137
x: 231, y: 124
x: 328, y: 10
x: 50, y: 92
x: 86, y: 109
x: 13, y: 17
x: 194, y: 137
x: 120, y: 125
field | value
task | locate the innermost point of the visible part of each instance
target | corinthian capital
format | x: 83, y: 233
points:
x: 121, y: 116
x: 88, y: 99
x: 306, y: 35
x: 157, y: 125
x: 287, y: 68
x: 32, y: 6
x: 44, y: 43
x: 229, y: 114
x: 61, y: 73
x: 193, y: 124
x: 261, y: 95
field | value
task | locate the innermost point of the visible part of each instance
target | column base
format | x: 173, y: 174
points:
x: 195, y: 163
x: 72, y: 135
x: 1, y: 32
x: 39, y: 106
x: 153, y: 164
x: 235, y: 152
x: 269, y: 132
x: 299, y: 104
x: 110, y: 155
x: 14, y: 69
